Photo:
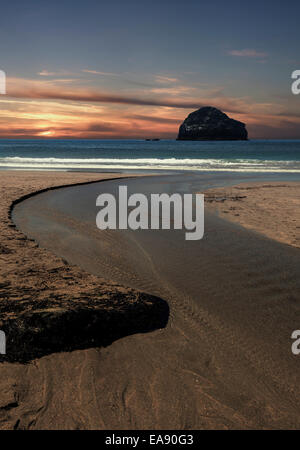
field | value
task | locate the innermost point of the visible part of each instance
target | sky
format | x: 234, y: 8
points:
x: 136, y: 69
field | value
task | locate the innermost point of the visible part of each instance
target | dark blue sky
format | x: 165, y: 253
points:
x: 125, y: 35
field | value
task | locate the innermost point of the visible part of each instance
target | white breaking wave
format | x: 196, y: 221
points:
x: 237, y: 165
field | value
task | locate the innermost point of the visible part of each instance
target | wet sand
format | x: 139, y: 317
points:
x: 223, y: 361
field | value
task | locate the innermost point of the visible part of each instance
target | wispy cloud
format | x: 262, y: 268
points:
x: 60, y: 73
x: 176, y: 90
x: 165, y: 80
x: 46, y: 73
x: 154, y: 119
x: 158, y: 79
x: 97, y: 72
x: 32, y: 89
x: 248, y: 53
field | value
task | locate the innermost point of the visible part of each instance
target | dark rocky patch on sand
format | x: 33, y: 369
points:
x: 48, y: 306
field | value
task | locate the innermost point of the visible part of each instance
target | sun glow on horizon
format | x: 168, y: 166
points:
x: 46, y: 133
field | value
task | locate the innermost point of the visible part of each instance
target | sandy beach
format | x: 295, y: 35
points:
x: 272, y: 209
x: 47, y: 305
x: 213, y: 365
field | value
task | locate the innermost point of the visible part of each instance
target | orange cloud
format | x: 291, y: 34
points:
x: 47, y: 109
x: 32, y: 89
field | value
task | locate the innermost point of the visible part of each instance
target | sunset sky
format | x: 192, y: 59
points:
x: 136, y: 69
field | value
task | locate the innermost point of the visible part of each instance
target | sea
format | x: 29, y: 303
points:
x: 275, y: 156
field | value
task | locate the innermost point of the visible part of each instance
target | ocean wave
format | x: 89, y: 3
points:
x: 240, y: 165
